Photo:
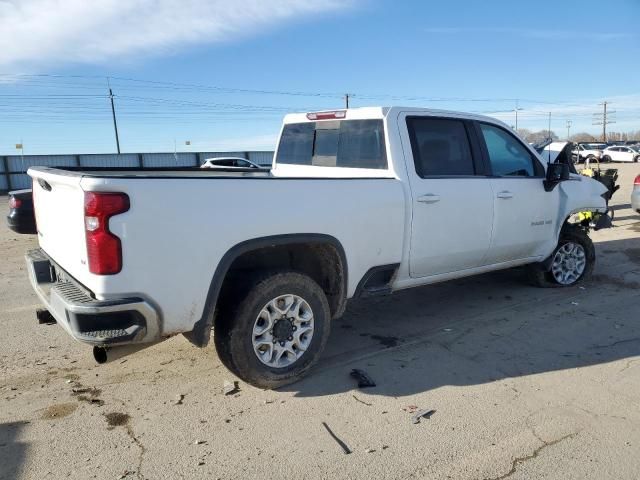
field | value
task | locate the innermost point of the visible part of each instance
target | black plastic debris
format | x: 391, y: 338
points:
x: 422, y: 414
x: 364, y: 380
x: 343, y: 445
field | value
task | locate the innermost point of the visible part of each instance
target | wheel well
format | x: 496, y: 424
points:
x: 320, y: 261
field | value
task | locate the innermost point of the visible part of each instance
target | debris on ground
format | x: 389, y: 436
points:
x: 410, y: 408
x: 364, y: 380
x: 422, y: 414
x: 361, y: 401
x: 369, y: 450
x: 447, y: 329
x: 179, y: 399
x: 575, y: 303
x: 229, y: 388
x: 343, y: 445
x: 199, y: 442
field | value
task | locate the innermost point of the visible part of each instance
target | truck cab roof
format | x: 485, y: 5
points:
x: 382, y: 112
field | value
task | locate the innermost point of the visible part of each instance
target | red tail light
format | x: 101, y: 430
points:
x: 637, y: 180
x: 14, y: 202
x: 104, y: 250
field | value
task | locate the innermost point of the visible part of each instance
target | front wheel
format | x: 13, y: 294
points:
x: 275, y: 333
x: 572, y: 261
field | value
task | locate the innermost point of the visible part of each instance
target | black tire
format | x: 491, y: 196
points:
x: 540, y: 277
x: 606, y: 159
x: 233, y: 331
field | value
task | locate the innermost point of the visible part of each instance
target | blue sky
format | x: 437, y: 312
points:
x: 222, y: 74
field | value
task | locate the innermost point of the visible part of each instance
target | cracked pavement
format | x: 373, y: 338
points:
x: 526, y: 383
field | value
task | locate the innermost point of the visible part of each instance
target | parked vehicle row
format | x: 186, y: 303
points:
x: 358, y: 202
x: 589, y: 152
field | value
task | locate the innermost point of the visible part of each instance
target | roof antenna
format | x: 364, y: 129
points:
x: 550, y: 140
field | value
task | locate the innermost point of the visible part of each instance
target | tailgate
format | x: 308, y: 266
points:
x: 59, y: 208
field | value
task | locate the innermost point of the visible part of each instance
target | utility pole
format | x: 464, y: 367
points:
x: 113, y: 114
x: 604, y: 119
x: 569, y: 122
x: 516, y: 110
x: 346, y: 100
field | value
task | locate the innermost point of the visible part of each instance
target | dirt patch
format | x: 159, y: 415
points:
x: 59, y: 410
x: 116, y: 419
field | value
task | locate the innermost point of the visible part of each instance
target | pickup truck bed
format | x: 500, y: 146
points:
x: 160, y: 172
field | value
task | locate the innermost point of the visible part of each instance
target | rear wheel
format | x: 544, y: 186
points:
x: 272, y: 335
x: 606, y: 158
x: 571, y: 262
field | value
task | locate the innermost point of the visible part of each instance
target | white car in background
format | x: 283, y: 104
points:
x: 228, y: 162
x: 588, y: 152
x: 620, y: 153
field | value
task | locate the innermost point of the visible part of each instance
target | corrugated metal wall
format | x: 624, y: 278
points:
x: 12, y: 167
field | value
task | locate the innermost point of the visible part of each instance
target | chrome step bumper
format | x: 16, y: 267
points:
x: 96, y: 322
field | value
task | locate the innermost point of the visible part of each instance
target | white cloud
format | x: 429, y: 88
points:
x: 37, y: 34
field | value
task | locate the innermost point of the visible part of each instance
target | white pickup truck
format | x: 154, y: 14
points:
x: 358, y: 202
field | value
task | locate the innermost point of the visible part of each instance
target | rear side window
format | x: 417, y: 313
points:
x: 440, y: 147
x: 334, y: 143
x: 508, y: 157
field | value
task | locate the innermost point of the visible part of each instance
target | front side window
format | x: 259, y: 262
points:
x: 334, y: 143
x: 507, y: 156
x: 440, y: 147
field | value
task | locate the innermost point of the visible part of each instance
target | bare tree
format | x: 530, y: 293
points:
x: 540, y: 136
x: 583, y: 137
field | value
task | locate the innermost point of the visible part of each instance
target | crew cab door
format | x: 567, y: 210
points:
x: 452, y: 204
x: 524, y: 214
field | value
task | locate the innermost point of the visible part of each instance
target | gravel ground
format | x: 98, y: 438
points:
x: 525, y: 383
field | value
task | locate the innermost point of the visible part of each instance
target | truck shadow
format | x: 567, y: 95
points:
x: 485, y: 328
x: 12, y: 452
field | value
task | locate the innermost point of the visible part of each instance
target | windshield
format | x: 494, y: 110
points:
x: 336, y: 143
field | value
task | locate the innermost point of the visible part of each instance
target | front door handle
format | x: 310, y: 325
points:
x: 505, y: 194
x: 429, y: 198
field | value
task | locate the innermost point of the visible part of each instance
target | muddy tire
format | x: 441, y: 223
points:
x: 274, y: 331
x: 571, y: 262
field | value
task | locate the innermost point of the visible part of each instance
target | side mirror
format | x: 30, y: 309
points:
x: 556, y: 173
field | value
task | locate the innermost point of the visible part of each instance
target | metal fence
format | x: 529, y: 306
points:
x: 13, y: 167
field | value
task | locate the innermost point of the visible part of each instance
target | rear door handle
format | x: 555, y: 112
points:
x: 505, y: 194
x: 429, y: 198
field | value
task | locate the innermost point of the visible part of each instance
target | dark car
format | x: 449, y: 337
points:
x: 21, y: 218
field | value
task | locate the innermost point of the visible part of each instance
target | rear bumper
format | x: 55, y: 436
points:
x: 24, y: 223
x: 111, y: 322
